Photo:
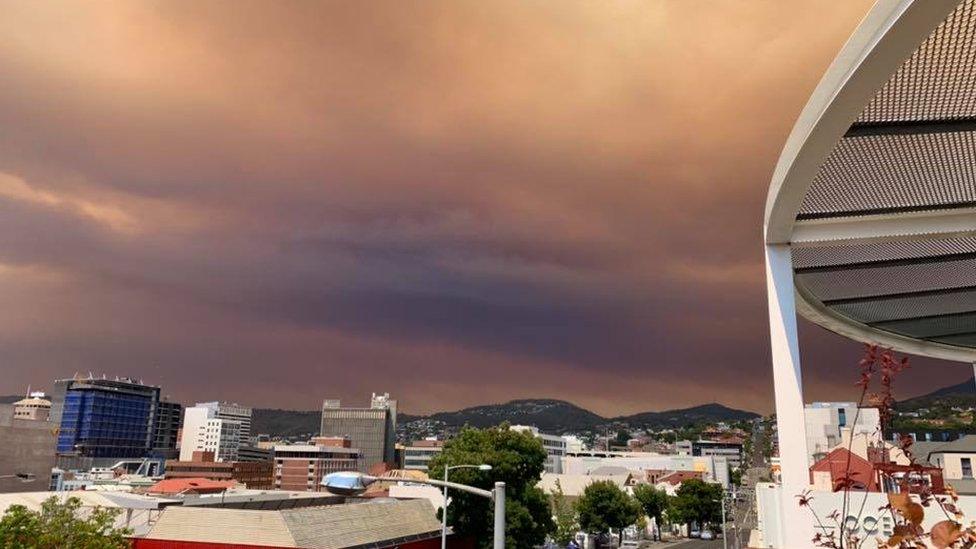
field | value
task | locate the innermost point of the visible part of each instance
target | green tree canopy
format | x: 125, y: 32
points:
x: 696, y: 501
x: 603, y: 506
x: 622, y: 438
x: 59, y: 524
x: 654, y: 502
x: 565, y: 517
x: 517, y: 459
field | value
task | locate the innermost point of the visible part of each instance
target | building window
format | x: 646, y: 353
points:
x: 842, y: 417
x: 967, y: 467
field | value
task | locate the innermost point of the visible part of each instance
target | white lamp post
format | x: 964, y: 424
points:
x: 482, y: 467
x: 351, y: 483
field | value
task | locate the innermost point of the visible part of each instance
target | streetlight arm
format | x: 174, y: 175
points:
x: 453, y: 485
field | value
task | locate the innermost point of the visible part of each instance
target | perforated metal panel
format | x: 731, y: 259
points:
x: 879, y: 281
x: 939, y: 81
x: 967, y: 340
x: 883, y: 173
x: 912, y: 149
x: 828, y: 256
x: 882, y: 308
x: 933, y: 326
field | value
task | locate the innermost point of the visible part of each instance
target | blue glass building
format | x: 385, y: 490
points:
x: 102, y: 418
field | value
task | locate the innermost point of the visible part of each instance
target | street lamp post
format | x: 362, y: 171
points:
x: 482, y: 467
x: 351, y: 483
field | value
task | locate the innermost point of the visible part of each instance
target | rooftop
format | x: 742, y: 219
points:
x: 320, y: 527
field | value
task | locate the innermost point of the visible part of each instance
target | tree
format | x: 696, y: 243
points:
x: 697, y: 501
x: 59, y: 524
x: 622, y: 438
x: 565, y: 517
x: 604, y: 506
x: 654, y: 502
x: 517, y: 459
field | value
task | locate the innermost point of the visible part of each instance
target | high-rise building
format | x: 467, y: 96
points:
x: 169, y: 417
x: 203, y: 431
x: 372, y: 430
x: 104, y: 418
x: 26, y: 449
x: 233, y: 412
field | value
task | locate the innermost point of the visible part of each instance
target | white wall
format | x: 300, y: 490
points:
x: 872, y: 523
x: 823, y: 424
x: 194, y: 431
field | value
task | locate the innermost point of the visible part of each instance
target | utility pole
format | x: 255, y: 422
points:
x: 725, y: 537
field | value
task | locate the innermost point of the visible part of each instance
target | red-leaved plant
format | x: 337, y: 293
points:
x: 906, y: 509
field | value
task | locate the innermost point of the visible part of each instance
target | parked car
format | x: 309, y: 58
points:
x: 694, y: 533
x: 707, y: 534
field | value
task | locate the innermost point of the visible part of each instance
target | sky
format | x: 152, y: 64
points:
x: 459, y: 202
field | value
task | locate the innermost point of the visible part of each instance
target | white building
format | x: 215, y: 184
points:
x: 712, y: 468
x: 204, y: 432
x: 573, y: 444
x: 233, y: 412
x: 825, y: 421
x: 555, y: 447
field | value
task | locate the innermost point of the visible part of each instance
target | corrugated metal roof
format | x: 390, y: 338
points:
x: 321, y: 527
x: 203, y: 524
x: 340, y: 526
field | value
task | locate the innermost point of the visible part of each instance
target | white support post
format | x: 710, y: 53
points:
x: 795, y: 525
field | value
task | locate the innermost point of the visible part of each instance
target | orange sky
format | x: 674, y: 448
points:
x: 459, y: 202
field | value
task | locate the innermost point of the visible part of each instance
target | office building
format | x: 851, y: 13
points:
x: 301, y: 467
x: 204, y: 432
x: 555, y: 447
x: 252, y: 474
x: 104, y: 418
x: 255, y: 453
x: 33, y: 407
x: 169, y: 418
x: 232, y: 412
x: 372, y: 430
x: 26, y: 447
x: 825, y: 421
x: 731, y: 451
x: 417, y: 456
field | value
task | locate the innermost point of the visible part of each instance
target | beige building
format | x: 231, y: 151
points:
x: 34, y: 407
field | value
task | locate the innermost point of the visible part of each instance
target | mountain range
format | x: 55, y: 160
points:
x: 549, y: 415
x: 961, y: 394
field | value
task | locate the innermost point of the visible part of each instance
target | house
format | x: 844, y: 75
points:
x: 956, y: 460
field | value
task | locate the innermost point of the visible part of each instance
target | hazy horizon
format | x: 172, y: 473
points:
x: 456, y: 202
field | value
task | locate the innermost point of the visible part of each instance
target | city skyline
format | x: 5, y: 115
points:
x: 460, y: 204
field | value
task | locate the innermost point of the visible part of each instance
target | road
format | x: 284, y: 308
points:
x: 698, y: 544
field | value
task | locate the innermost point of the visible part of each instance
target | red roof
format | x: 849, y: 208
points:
x: 677, y: 477
x: 191, y: 485
x: 842, y: 463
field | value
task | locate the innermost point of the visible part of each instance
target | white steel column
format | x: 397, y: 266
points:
x: 788, y: 389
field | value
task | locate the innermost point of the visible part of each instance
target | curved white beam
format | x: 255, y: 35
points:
x: 887, y: 36
x: 869, y: 229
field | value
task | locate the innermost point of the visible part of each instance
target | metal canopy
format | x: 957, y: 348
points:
x: 875, y: 192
